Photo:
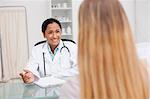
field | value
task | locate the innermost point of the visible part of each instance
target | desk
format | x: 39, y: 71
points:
x: 19, y: 90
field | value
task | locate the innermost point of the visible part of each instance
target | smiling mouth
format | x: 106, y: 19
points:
x: 55, y: 40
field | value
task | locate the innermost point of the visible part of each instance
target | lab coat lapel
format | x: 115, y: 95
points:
x: 46, y: 52
x: 57, y: 56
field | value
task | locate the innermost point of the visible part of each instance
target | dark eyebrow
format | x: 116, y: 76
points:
x: 58, y: 30
x: 54, y: 30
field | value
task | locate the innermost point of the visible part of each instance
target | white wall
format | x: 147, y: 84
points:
x: 142, y: 21
x: 37, y: 12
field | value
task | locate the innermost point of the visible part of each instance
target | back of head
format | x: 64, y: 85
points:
x: 109, y: 67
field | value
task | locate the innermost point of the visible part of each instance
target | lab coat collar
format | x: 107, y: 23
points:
x: 45, y: 46
x: 60, y: 45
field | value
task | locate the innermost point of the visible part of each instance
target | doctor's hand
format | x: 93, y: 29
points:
x: 27, y: 76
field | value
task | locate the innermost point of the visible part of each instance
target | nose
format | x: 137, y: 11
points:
x: 54, y: 35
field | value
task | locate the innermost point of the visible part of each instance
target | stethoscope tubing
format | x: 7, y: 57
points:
x: 44, y: 64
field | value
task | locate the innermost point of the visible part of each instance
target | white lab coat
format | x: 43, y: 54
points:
x: 62, y: 64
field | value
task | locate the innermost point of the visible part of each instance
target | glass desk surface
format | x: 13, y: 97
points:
x: 19, y: 90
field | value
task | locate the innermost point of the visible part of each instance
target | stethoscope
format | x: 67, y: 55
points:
x: 61, y: 50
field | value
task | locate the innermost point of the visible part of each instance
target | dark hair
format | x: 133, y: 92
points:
x: 49, y: 21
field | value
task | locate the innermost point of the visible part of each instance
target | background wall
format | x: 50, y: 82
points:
x: 142, y: 21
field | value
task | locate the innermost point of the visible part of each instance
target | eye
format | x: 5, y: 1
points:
x: 50, y: 32
x: 57, y: 31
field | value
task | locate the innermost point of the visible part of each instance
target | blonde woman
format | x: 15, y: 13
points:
x: 108, y: 64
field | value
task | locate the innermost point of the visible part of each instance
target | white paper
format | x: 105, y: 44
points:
x: 49, y: 81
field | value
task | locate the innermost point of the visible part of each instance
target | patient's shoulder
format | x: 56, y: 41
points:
x: 71, y: 89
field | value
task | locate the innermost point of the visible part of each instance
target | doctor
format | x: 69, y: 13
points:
x: 51, y: 58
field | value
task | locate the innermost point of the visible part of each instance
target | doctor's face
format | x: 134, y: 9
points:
x: 53, y: 34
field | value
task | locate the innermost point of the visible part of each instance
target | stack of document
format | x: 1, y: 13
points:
x: 49, y: 82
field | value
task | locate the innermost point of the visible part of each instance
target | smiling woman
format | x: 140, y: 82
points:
x: 54, y: 57
x: 13, y: 41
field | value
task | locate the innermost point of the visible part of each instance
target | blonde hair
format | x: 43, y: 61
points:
x: 108, y: 64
